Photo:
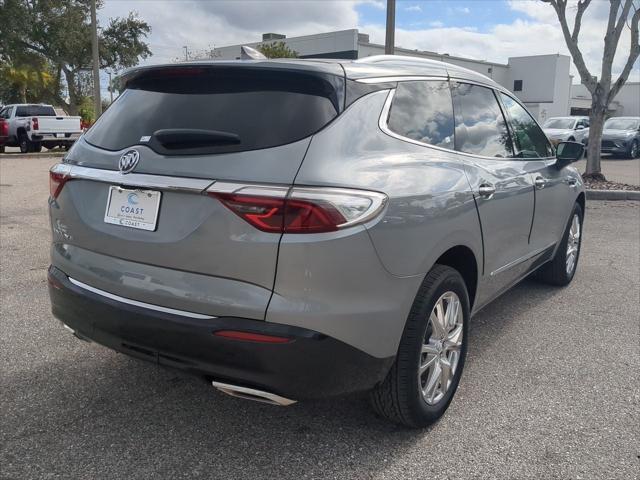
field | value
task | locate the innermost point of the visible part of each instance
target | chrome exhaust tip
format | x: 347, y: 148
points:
x: 252, y: 394
x: 74, y: 333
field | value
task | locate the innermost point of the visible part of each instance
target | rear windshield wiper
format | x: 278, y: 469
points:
x: 179, y: 138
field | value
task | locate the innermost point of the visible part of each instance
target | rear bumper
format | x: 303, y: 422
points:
x: 311, y: 365
x: 51, y: 137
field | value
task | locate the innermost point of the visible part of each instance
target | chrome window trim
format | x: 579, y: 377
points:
x: 383, y: 125
x: 136, y: 303
x: 409, y: 78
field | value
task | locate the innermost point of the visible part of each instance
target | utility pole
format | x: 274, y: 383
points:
x: 110, y: 88
x: 389, y: 42
x: 186, y: 53
x: 97, y: 99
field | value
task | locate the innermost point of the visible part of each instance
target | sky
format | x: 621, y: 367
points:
x: 492, y: 30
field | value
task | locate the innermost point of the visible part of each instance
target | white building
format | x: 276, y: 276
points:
x: 542, y: 82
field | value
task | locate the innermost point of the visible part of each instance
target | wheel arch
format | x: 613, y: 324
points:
x: 462, y: 259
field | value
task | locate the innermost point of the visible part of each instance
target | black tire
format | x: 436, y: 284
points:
x: 1, y: 148
x: 24, y: 143
x: 555, y: 271
x: 634, y: 151
x: 399, y: 398
x: 36, y: 147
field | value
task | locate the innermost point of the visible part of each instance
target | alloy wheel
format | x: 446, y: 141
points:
x: 573, y: 244
x: 441, y: 348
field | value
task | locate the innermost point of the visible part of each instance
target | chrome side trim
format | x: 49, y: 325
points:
x: 518, y: 261
x: 252, y: 394
x: 383, y: 124
x: 136, y: 303
x: 160, y: 182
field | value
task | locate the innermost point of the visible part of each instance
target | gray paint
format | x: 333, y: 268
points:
x: 356, y: 284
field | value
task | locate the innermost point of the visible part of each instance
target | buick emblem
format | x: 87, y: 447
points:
x: 128, y: 161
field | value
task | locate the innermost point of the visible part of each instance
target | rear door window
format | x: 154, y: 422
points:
x: 35, y: 111
x: 531, y: 142
x: 423, y: 111
x: 480, y: 125
x: 6, y: 112
x: 218, y: 110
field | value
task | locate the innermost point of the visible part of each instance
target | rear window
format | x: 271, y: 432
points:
x: 218, y: 110
x: 35, y: 111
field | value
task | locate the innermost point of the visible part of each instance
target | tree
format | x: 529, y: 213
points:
x: 622, y: 13
x: 277, y: 50
x: 25, y: 82
x: 60, y: 32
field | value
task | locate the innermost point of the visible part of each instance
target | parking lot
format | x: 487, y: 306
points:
x: 551, y: 388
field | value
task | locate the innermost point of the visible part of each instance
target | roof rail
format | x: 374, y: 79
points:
x: 396, y: 59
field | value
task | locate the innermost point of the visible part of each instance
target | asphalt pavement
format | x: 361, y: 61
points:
x: 551, y: 387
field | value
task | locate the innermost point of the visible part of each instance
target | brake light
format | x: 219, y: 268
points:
x: 58, y: 176
x: 36, y: 126
x: 251, y: 337
x: 4, y: 128
x: 304, y: 210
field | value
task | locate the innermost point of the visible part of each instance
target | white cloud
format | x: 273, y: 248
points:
x: 464, y: 10
x: 413, y: 8
x: 203, y: 24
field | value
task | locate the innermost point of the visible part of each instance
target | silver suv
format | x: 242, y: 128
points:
x: 299, y: 229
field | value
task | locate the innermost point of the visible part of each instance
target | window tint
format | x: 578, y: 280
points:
x: 423, y: 111
x: 531, y: 142
x: 480, y: 126
x: 35, y: 111
x: 258, y: 108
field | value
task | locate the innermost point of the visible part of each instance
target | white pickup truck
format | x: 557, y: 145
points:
x: 33, y: 126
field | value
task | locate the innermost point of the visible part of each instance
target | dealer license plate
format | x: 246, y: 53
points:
x: 133, y: 208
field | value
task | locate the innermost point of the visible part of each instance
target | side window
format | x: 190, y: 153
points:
x: 6, y: 112
x: 480, y: 126
x: 531, y: 142
x: 423, y: 111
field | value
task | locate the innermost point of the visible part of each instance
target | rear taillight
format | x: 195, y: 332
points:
x: 34, y: 121
x: 58, y: 176
x: 303, y: 210
x: 4, y: 128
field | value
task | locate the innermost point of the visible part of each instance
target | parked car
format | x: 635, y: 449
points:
x: 33, y: 126
x: 306, y: 228
x: 621, y: 136
x: 567, y: 129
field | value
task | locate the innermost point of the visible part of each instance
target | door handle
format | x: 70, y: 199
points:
x: 486, y: 190
x: 540, y: 183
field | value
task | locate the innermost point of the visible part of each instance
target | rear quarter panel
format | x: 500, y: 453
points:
x: 431, y: 206
x: 358, y: 285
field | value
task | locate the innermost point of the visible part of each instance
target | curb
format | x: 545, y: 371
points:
x: 31, y: 155
x: 613, y: 195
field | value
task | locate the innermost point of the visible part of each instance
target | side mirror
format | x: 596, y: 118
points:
x: 580, y: 127
x: 568, y: 152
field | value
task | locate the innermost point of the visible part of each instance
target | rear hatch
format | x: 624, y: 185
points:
x: 153, y: 234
